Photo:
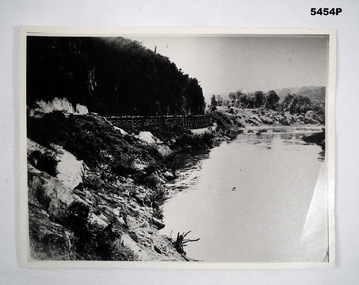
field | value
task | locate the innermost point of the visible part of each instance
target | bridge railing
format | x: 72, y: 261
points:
x: 190, y: 122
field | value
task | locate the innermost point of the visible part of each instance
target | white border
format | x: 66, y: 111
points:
x: 161, y: 31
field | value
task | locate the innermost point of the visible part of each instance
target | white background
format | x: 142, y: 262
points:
x: 203, y: 13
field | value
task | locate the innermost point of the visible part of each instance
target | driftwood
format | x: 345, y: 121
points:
x: 181, y: 242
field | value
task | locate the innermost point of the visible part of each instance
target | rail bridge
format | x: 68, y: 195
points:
x: 190, y: 122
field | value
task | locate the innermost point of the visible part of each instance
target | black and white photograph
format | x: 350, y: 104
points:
x: 178, y: 148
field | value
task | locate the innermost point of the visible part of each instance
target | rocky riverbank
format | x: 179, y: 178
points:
x: 261, y: 117
x: 95, y: 190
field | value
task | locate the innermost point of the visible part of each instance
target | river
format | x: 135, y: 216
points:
x: 248, y: 201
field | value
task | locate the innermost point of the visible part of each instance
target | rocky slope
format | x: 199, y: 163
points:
x: 95, y: 190
x: 81, y: 223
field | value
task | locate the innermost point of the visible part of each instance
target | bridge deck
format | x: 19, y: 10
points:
x: 190, y: 122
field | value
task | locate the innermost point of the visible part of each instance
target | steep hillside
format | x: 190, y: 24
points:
x: 111, y: 76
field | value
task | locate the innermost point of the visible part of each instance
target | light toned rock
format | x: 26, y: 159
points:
x: 32, y: 146
x: 57, y: 104
x: 53, y: 195
x: 168, y: 175
x: 93, y: 219
x: 138, y: 165
x: 111, y: 211
x: 121, y: 221
x: 164, y: 150
x: 311, y: 115
x: 158, y: 223
x: 81, y: 109
x: 70, y: 170
x: 131, y: 221
x: 148, y: 138
x: 120, y: 130
x: 103, y: 217
x: 267, y: 120
x: 116, y: 212
x: 78, y: 192
x: 128, y: 242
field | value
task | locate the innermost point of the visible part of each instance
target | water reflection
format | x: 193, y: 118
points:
x: 273, y: 175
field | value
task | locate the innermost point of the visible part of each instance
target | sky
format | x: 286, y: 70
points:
x: 250, y: 63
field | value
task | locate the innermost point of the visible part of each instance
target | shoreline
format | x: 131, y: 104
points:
x: 114, y: 210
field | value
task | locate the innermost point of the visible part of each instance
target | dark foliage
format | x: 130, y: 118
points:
x: 78, y: 213
x: 293, y: 103
x: 111, y: 76
x: 168, y: 133
x: 225, y: 124
x: 272, y: 100
x: 194, y: 142
x: 317, y: 138
x: 44, y: 162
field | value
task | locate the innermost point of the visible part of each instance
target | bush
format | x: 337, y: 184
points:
x: 195, y: 142
x: 44, y: 161
x: 123, y: 165
x: 78, y: 213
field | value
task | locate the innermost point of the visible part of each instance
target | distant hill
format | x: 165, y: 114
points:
x: 313, y: 92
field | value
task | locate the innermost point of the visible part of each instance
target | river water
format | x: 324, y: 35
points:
x: 247, y: 200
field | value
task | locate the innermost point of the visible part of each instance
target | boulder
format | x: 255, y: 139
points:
x: 50, y: 193
x: 148, y: 138
x: 81, y: 110
x: 95, y: 220
x: 164, y: 150
x: 158, y: 223
x: 312, y: 117
x: 122, y: 132
x: 57, y: 104
x: 70, y: 170
x: 168, y: 175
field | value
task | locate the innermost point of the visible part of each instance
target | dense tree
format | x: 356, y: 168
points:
x: 238, y: 99
x: 243, y: 100
x: 213, y: 101
x: 301, y: 104
x: 232, y: 97
x: 259, y: 99
x: 250, y: 100
x: 295, y: 104
x: 110, y: 76
x: 220, y: 100
x: 272, y: 100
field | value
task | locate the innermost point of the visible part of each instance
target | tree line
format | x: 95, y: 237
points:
x: 111, y: 76
x: 292, y: 103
